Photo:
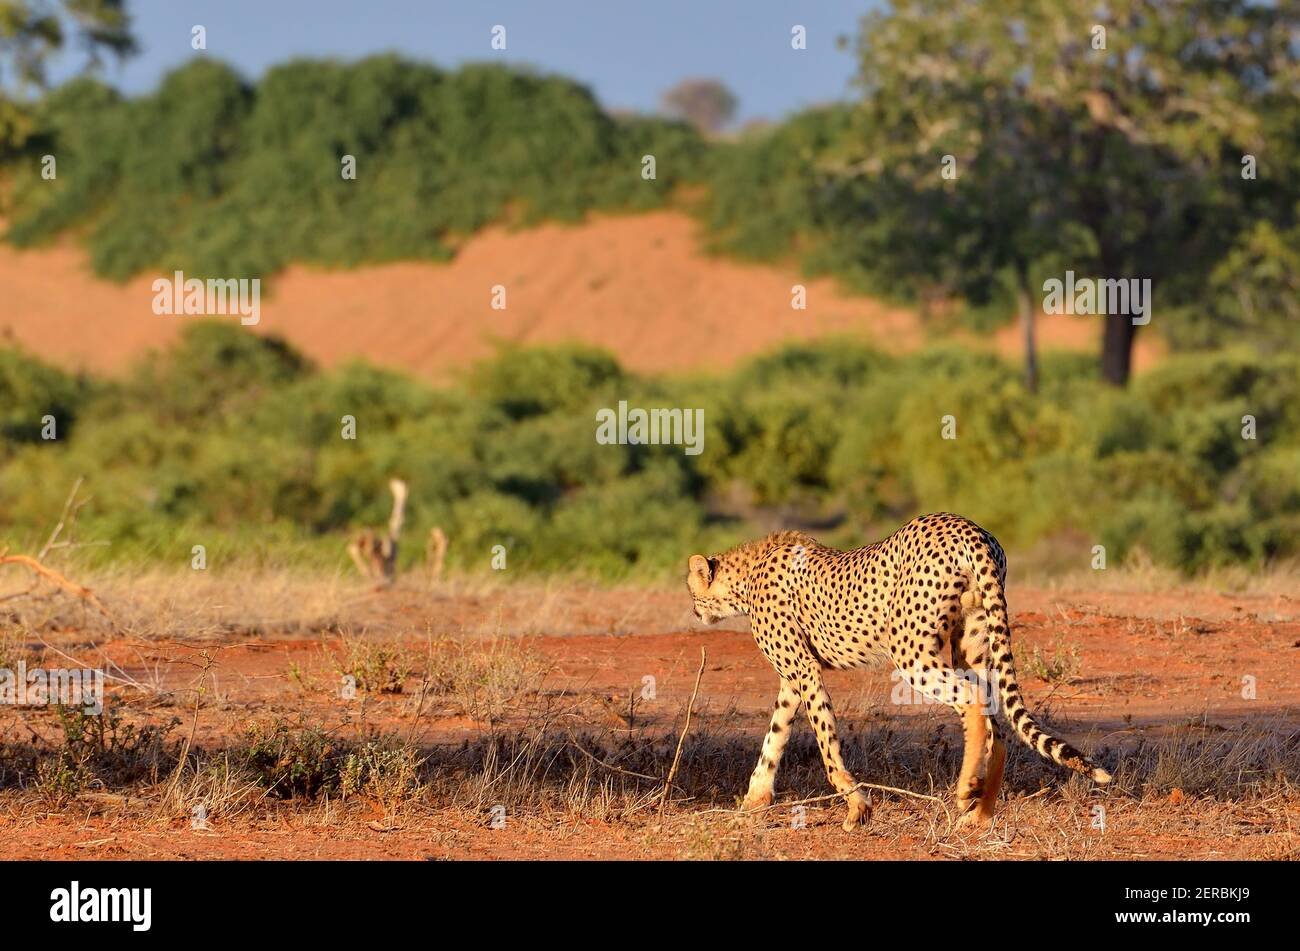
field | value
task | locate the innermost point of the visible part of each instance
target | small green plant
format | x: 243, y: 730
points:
x: 292, y: 761
x: 60, y: 777
x: 300, y: 761
x: 103, y: 748
x: 118, y: 752
x: 297, y: 676
x: 1062, y: 667
x: 385, y: 768
x: 377, y: 666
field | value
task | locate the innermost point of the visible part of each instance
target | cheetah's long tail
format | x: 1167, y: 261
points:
x: 1013, y: 703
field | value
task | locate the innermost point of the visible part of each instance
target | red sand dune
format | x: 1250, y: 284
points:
x: 639, y: 285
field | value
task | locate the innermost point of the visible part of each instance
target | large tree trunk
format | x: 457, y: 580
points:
x: 1117, y: 349
x: 1117, y: 336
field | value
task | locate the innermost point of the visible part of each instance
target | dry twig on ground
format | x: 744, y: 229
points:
x: 50, y: 574
x: 672, y: 772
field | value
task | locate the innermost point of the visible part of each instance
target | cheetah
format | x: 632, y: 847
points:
x: 930, y: 598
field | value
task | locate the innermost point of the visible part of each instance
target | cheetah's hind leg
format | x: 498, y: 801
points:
x: 925, y: 667
x: 977, y: 790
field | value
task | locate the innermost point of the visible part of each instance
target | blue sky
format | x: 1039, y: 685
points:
x: 628, y: 51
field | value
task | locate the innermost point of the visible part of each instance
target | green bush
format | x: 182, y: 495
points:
x: 215, y: 369
x: 527, y: 382
x: 219, y: 177
x: 767, y: 190
x: 29, y: 392
x: 234, y: 441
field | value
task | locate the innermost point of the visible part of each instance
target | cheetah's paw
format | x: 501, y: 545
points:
x: 976, y: 820
x: 859, y: 812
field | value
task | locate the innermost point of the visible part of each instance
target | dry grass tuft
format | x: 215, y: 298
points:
x: 482, y: 679
x: 213, y: 789
x: 375, y: 665
x: 1140, y: 575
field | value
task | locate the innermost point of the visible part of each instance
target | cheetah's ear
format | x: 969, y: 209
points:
x: 699, y: 572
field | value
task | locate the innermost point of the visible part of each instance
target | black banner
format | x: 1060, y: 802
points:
x: 306, y: 900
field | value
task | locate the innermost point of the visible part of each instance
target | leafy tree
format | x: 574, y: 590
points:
x: 705, y: 103
x: 1255, y: 291
x: 33, y: 31
x: 1106, y: 141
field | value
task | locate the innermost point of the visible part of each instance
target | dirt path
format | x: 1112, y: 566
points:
x: 1143, y: 673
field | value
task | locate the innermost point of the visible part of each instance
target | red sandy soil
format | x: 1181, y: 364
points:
x: 639, y: 286
x: 1154, y: 668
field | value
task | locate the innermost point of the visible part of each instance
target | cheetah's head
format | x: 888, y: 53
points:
x: 717, y: 587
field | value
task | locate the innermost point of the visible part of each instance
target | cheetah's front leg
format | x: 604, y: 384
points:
x: 778, y: 733
x: 822, y: 717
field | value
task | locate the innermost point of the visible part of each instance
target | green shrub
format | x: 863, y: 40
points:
x: 235, y: 442
x: 217, y: 367
x: 293, y: 761
x: 767, y: 191
x: 524, y: 382
x: 220, y: 177
x: 29, y: 391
